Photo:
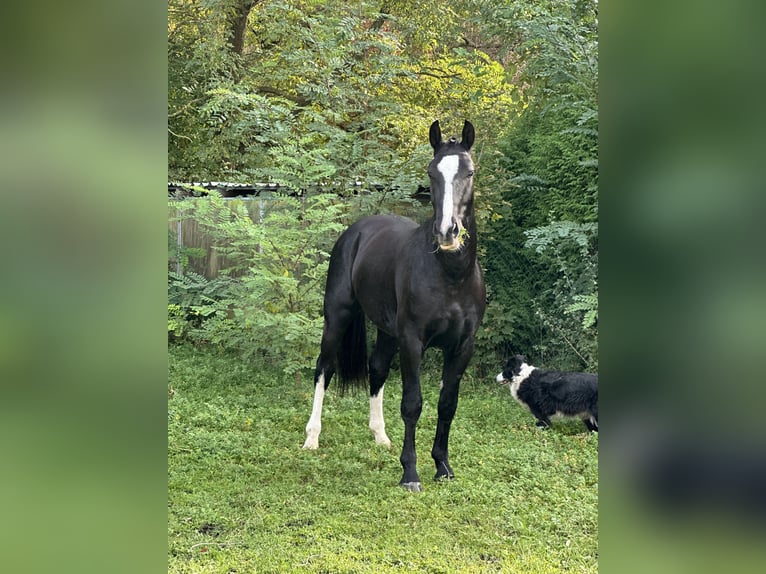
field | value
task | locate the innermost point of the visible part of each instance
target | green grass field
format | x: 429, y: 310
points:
x: 244, y: 497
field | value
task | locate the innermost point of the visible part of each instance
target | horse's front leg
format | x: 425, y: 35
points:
x: 454, y: 367
x: 412, y: 405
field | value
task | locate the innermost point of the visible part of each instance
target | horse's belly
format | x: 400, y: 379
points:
x: 381, y: 240
x: 375, y: 290
x: 378, y: 301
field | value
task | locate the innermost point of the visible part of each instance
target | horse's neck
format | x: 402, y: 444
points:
x: 461, y: 264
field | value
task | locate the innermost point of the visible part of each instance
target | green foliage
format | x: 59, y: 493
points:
x: 176, y: 321
x: 333, y: 86
x: 568, y: 307
x: 198, y: 62
x: 541, y: 248
x: 456, y: 85
x: 272, y: 309
x: 546, y: 168
x: 588, y: 304
x: 241, y: 492
x: 551, y: 237
x: 192, y: 299
x: 309, y: 81
x: 552, y: 44
x: 498, y: 329
x: 337, y: 97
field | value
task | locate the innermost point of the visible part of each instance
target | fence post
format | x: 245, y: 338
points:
x: 179, y: 242
x: 260, y: 220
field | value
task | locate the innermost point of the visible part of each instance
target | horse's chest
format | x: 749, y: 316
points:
x: 437, y: 301
x: 447, y: 324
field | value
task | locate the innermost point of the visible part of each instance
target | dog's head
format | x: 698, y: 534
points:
x: 512, y: 369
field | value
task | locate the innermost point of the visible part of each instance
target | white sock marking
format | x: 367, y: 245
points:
x: 377, y: 423
x: 314, y: 426
x: 448, y: 167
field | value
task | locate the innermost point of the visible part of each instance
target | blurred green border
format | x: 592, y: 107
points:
x: 82, y: 335
x: 682, y: 282
x: 82, y: 340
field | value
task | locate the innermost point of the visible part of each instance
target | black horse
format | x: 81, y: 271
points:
x: 422, y: 287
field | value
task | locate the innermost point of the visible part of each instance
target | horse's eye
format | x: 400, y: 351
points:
x: 470, y: 173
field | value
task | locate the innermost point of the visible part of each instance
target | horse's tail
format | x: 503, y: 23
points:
x: 352, y: 355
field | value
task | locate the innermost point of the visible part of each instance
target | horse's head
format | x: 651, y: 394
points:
x: 451, y: 173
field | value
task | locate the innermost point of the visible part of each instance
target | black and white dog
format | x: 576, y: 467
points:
x: 548, y: 393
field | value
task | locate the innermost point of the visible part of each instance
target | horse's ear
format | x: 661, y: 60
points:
x: 435, y: 135
x: 468, y: 135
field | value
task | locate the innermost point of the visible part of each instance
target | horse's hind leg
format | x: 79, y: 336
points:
x: 337, y: 319
x: 322, y: 377
x: 380, y: 363
x: 591, y: 420
x: 339, y: 310
x: 335, y: 324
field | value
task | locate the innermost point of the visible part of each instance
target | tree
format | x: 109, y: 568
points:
x: 342, y: 73
x: 542, y: 249
x: 337, y: 96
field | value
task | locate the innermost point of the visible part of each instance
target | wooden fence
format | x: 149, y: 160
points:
x: 185, y: 234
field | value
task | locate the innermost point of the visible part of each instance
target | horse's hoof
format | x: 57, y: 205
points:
x: 443, y: 472
x: 383, y: 441
x: 310, y: 444
x: 412, y: 486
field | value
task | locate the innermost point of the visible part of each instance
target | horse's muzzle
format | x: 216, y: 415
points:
x: 450, y: 241
x: 455, y: 245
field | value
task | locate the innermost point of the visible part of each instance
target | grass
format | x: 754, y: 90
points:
x: 244, y: 497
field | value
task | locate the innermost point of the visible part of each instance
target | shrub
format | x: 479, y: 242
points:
x: 192, y: 299
x: 568, y: 307
x: 272, y: 310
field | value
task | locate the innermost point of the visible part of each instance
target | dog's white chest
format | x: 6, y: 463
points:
x: 516, y: 381
x: 514, y: 386
x: 524, y: 371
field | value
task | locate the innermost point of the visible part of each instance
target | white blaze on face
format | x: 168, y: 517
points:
x: 448, y: 167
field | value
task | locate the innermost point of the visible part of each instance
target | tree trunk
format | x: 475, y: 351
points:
x: 238, y: 24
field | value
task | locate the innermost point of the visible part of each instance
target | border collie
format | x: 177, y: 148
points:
x: 549, y: 393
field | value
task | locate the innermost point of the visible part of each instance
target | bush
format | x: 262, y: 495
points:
x: 192, y: 299
x: 568, y: 307
x: 272, y: 310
